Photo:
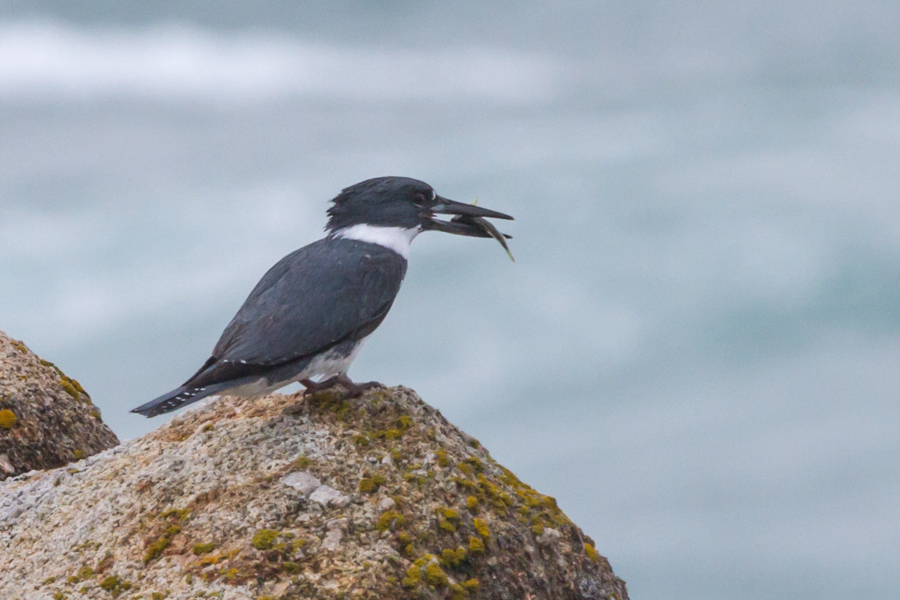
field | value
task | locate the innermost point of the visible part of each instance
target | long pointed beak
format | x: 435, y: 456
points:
x: 460, y: 225
x: 444, y: 206
x: 468, y: 219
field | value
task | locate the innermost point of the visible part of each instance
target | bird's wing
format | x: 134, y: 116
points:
x: 312, y: 299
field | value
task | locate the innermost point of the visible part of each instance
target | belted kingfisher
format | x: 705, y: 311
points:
x: 310, y: 313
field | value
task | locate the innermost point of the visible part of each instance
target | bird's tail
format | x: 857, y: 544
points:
x: 175, y: 399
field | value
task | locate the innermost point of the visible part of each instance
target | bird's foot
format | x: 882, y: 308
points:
x: 355, y: 390
x: 312, y: 387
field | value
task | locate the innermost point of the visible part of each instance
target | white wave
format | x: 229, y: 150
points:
x: 52, y: 61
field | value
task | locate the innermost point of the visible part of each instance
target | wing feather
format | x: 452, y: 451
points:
x: 318, y: 296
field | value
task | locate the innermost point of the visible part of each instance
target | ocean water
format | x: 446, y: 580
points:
x: 696, y: 350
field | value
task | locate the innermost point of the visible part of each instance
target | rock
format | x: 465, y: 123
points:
x: 335, y: 530
x: 303, y: 481
x: 47, y: 420
x: 342, y: 524
x: 328, y: 496
x: 222, y: 512
x: 332, y: 540
x: 549, y: 536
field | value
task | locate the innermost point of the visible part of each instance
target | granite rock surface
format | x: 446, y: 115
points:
x: 286, y: 497
x: 47, y: 419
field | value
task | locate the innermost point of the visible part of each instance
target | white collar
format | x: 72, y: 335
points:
x: 397, y: 239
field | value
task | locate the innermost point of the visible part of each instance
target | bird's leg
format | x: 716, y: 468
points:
x: 355, y: 390
x: 312, y: 387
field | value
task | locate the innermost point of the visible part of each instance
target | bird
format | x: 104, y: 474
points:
x: 312, y: 311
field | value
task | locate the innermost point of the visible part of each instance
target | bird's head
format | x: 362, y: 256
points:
x: 401, y: 203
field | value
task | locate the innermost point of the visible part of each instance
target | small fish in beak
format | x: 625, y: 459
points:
x: 468, y: 219
x: 487, y: 227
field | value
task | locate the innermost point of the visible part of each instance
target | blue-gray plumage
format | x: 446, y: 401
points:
x: 310, y: 312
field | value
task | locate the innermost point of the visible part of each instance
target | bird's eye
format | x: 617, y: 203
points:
x: 419, y: 199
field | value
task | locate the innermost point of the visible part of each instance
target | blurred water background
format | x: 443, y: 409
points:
x: 697, y: 350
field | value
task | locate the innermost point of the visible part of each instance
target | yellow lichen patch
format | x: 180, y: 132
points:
x: 471, y: 585
x: 476, y: 546
x: 481, y: 527
x: 592, y: 552
x: 7, y: 419
x: 405, y: 542
x: 390, y: 520
x: 69, y: 386
x: 79, y: 453
x: 472, y: 503
x: 447, y: 526
x: 264, y: 539
x: 200, y: 549
x: 371, y: 484
x: 435, y: 576
x: 155, y: 548
x: 464, y: 483
x: 114, y: 585
x: 460, y: 591
x: 498, y: 498
x: 441, y: 456
x: 413, y: 577
x: 83, y: 574
x: 448, y: 518
x: 453, y: 558
x: 389, y: 434
x: 448, y: 513
x: 179, y: 513
x: 465, y: 468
